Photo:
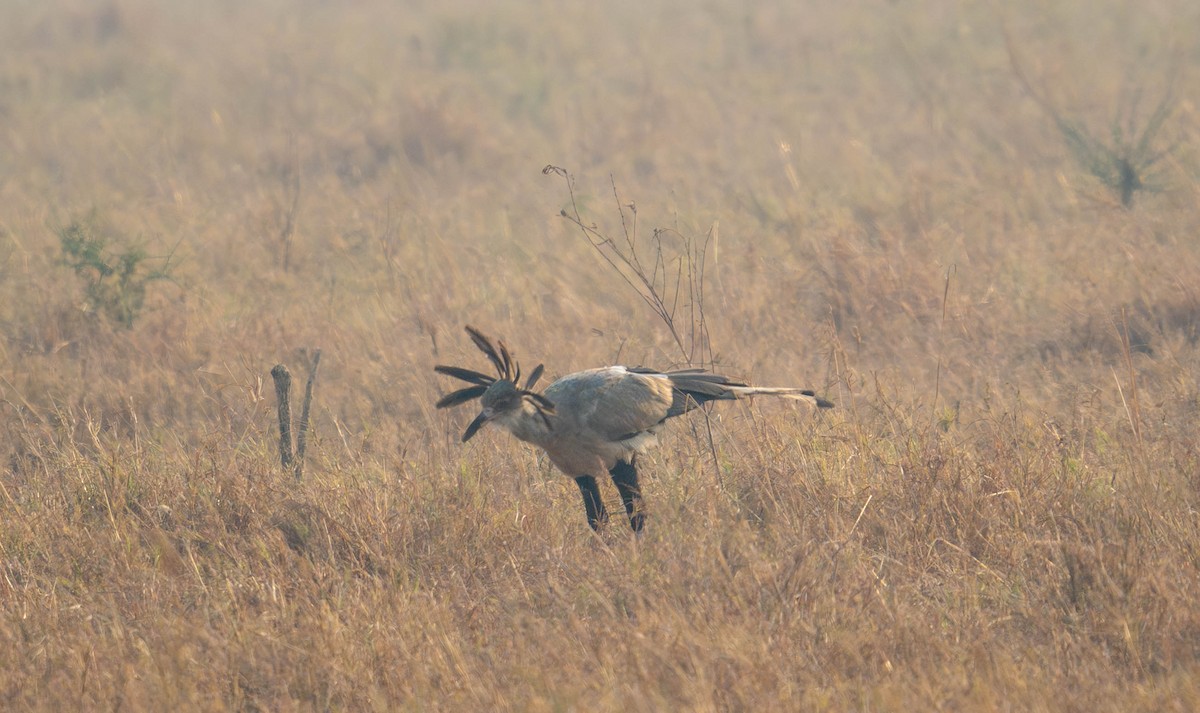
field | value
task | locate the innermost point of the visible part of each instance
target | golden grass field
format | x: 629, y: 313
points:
x: 1000, y: 514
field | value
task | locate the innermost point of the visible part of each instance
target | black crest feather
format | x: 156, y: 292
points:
x: 461, y: 396
x: 497, y: 353
x: 533, y: 378
x: 467, y: 375
x: 507, y: 369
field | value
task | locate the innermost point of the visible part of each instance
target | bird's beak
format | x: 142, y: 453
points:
x: 483, y: 417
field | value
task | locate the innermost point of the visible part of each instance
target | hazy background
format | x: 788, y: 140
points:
x: 890, y: 214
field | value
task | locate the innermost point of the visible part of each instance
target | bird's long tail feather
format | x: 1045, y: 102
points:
x: 698, y: 387
x: 783, y: 391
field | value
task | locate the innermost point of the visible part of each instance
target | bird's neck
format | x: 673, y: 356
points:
x: 527, y: 424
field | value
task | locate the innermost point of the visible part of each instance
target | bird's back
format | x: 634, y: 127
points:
x: 611, y: 403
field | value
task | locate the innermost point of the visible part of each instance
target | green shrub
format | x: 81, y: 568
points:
x: 115, y: 270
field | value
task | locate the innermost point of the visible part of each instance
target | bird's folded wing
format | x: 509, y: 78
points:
x: 612, y: 403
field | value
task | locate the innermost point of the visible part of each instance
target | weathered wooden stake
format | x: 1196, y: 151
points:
x: 283, y: 385
x: 302, y: 433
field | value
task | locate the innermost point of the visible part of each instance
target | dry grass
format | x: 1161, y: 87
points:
x: 1000, y: 515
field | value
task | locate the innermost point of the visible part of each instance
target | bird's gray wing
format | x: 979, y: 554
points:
x: 612, y: 403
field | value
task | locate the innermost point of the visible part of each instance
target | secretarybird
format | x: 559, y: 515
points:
x: 595, y: 420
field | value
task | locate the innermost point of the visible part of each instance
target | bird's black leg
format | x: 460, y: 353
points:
x: 596, y: 514
x: 625, y: 476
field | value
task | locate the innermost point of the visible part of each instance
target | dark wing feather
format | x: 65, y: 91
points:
x: 467, y: 375
x: 461, y: 396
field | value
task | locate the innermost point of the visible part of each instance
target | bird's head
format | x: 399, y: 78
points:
x: 497, y: 396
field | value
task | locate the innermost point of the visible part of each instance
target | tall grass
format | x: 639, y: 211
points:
x: 1000, y: 514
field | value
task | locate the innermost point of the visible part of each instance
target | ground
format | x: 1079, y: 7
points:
x: 913, y: 208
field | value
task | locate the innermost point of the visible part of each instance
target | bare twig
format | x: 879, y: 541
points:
x: 937, y: 380
x: 288, y: 230
x: 660, y: 283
